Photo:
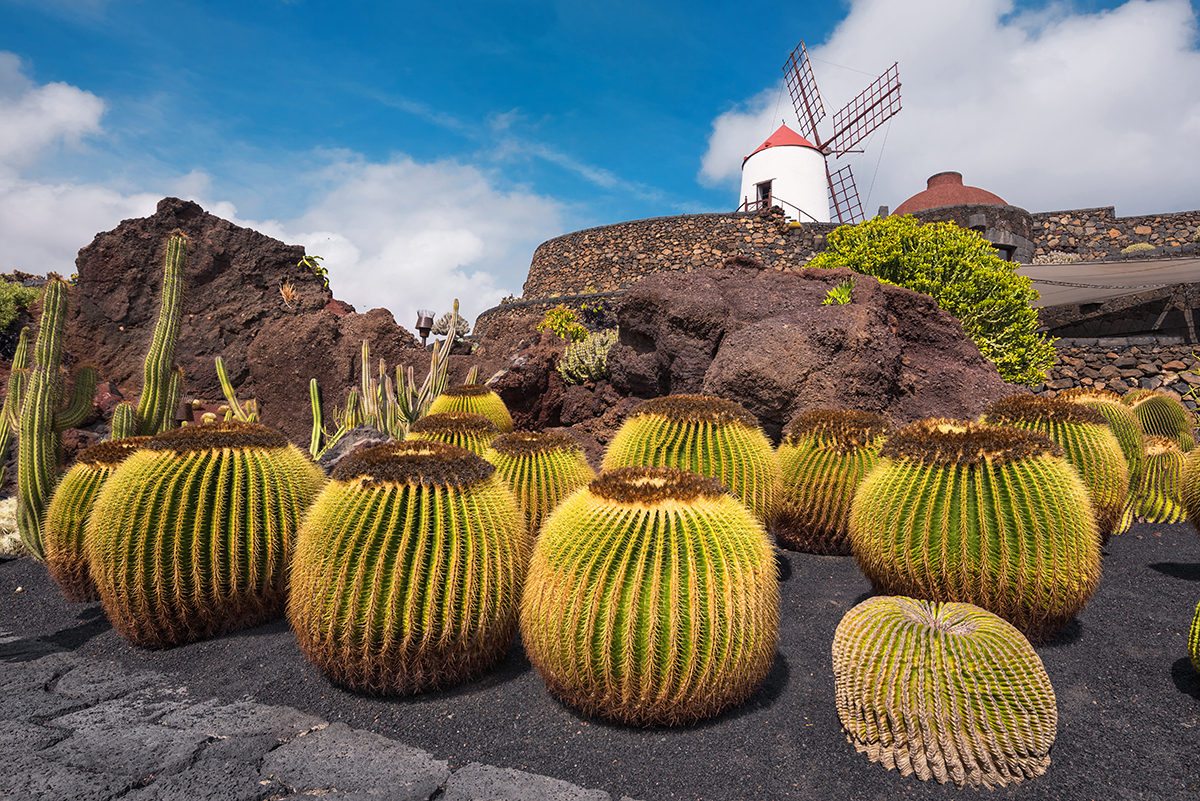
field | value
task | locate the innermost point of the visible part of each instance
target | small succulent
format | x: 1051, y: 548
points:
x: 652, y: 598
x: 587, y: 360
x: 1138, y: 247
x: 442, y: 326
x: 475, y: 399
x: 825, y: 454
x: 541, y: 469
x: 946, y: 691
x: 464, y: 429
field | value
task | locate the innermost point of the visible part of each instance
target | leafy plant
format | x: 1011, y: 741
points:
x: 14, y: 296
x: 960, y: 270
x: 564, y: 322
x: 314, y: 263
x: 587, y: 359
x: 594, y: 311
x: 840, y: 294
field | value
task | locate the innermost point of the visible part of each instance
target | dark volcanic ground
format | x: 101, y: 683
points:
x: 1128, y: 698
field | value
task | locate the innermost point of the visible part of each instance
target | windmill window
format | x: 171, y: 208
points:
x: 764, y: 191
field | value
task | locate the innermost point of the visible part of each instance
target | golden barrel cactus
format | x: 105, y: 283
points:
x: 652, y: 598
x: 1194, y: 640
x: 191, y: 535
x: 476, y: 399
x: 541, y: 469
x: 1159, y: 493
x: 67, y: 514
x: 464, y: 429
x: 946, y: 691
x: 989, y: 515
x: 824, y: 455
x: 1162, y: 416
x: 408, y: 569
x: 708, y: 435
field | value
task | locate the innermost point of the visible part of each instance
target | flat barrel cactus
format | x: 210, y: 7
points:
x: 464, y: 429
x: 408, y: 569
x: 191, y: 535
x: 824, y: 455
x: 67, y: 514
x: 541, y: 469
x: 1160, y: 491
x: 1088, y: 444
x: 652, y: 598
x: 476, y: 399
x: 708, y: 435
x: 946, y: 691
x: 989, y: 515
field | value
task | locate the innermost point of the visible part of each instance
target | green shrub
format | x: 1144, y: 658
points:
x: 959, y: 270
x: 13, y: 297
x: 587, y: 359
x: 1138, y: 247
x: 839, y: 295
x: 563, y: 322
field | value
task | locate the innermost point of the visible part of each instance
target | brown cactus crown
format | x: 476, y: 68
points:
x: 468, y: 391
x: 217, y: 436
x: 1089, y: 395
x: 702, y: 408
x: 938, y: 441
x: 652, y: 486
x: 415, y: 461
x: 454, y: 423
x: 846, y: 429
x: 529, y: 443
x: 1157, y: 446
x: 110, y: 453
x: 1035, y: 408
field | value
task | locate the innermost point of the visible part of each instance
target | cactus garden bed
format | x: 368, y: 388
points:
x: 1128, y: 698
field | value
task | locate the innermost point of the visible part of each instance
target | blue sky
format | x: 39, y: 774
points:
x: 426, y: 149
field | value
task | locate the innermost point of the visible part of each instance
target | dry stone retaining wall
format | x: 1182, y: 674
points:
x: 1120, y: 365
x: 1099, y: 234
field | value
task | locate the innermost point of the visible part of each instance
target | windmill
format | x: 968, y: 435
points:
x: 836, y: 192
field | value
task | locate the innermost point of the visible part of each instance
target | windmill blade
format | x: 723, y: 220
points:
x: 865, y: 113
x: 843, y: 197
x: 802, y: 86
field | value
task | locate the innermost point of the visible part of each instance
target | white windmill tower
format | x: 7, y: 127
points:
x: 791, y: 169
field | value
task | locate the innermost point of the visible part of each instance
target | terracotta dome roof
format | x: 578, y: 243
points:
x: 947, y: 189
x: 783, y: 136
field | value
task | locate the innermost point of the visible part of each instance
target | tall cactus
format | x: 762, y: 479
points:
x: 12, y: 398
x: 42, y: 417
x: 162, y: 379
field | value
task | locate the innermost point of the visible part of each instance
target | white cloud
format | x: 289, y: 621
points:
x: 34, y: 119
x: 1051, y: 110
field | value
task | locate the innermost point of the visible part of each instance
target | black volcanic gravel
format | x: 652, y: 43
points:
x: 1128, y: 698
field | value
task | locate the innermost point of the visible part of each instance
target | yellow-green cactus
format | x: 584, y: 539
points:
x: 989, y: 515
x: 1087, y: 442
x: 408, y: 569
x: 824, y: 455
x: 463, y: 429
x: 652, y: 598
x: 476, y: 399
x: 1162, y: 416
x: 1128, y: 431
x: 711, y: 436
x: 1194, y: 640
x: 67, y: 514
x: 1159, y: 494
x: 541, y: 469
x: 192, y: 534
x: 946, y: 691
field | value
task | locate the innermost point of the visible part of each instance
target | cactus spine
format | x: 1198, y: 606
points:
x: 42, y: 419
x: 947, y: 691
x: 541, y: 469
x: 477, y: 399
x: 652, y: 598
x: 989, y: 515
x: 408, y: 569
x: 162, y: 379
x: 824, y: 456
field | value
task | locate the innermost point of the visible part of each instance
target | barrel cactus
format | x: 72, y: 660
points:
x: 824, y: 456
x: 464, y: 429
x: 541, y: 469
x: 191, y: 535
x: 1162, y: 416
x: 1087, y: 442
x: 408, y: 569
x: 711, y: 436
x: 476, y: 399
x: 1159, y: 493
x: 1194, y: 640
x: 652, y: 598
x: 67, y: 514
x: 947, y: 691
x: 989, y: 515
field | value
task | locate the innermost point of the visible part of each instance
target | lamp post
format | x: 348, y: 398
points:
x: 424, y: 323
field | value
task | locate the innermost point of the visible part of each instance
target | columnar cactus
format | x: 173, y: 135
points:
x: 989, y: 515
x: 162, y: 379
x: 68, y: 512
x: 1087, y: 442
x: 824, y: 456
x: 711, y: 436
x: 41, y: 418
x: 1162, y: 416
x: 652, y: 598
x: 476, y: 399
x: 192, y: 534
x: 18, y: 372
x: 408, y: 569
x: 464, y: 429
x: 947, y: 691
x: 1160, y: 490
x: 541, y: 469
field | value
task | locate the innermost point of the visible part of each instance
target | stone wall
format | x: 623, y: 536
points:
x: 1123, y: 364
x: 1099, y: 234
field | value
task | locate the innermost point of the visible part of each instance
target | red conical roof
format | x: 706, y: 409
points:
x: 947, y: 189
x: 783, y: 136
